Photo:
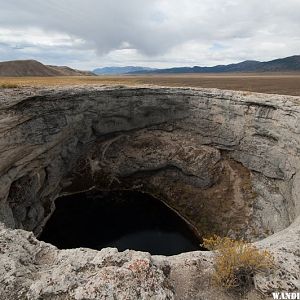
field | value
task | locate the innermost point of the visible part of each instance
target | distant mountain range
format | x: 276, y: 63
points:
x: 18, y: 68
x: 121, y: 70
x: 288, y: 64
x: 35, y: 68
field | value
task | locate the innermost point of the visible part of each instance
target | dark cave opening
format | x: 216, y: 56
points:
x: 123, y: 219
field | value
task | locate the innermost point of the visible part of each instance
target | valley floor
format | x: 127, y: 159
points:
x: 271, y: 83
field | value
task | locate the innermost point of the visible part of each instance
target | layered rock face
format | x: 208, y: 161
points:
x: 227, y: 162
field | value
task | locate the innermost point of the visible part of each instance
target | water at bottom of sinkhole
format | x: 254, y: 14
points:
x: 123, y: 220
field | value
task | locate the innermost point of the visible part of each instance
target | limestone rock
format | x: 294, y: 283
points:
x: 31, y: 269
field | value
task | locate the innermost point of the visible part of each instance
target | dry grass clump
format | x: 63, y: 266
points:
x: 8, y: 86
x: 237, y: 262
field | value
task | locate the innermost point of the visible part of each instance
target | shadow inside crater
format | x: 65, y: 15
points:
x: 125, y: 220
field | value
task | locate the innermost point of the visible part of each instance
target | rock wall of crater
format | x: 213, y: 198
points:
x: 191, y: 138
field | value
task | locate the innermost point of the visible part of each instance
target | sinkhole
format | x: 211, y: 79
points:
x: 120, y: 219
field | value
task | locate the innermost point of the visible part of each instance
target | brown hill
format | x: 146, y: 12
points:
x: 67, y: 71
x: 18, y: 68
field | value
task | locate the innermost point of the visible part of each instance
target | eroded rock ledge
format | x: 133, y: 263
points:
x: 228, y: 162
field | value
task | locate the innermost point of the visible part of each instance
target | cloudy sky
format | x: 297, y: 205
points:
x: 159, y: 33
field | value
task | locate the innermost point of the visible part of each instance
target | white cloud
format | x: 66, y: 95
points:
x: 38, y: 38
x: 90, y: 33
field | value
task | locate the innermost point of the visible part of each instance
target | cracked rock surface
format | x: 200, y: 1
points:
x: 227, y: 162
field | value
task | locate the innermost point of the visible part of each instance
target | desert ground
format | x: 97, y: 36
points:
x: 271, y: 83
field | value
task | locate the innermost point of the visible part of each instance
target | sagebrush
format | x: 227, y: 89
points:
x: 237, y: 262
x: 8, y: 85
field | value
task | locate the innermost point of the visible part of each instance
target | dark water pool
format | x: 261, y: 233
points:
x: 125, y: 220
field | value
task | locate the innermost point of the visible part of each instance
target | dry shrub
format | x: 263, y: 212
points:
x: 8, y: 86
x: 237, y: 262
